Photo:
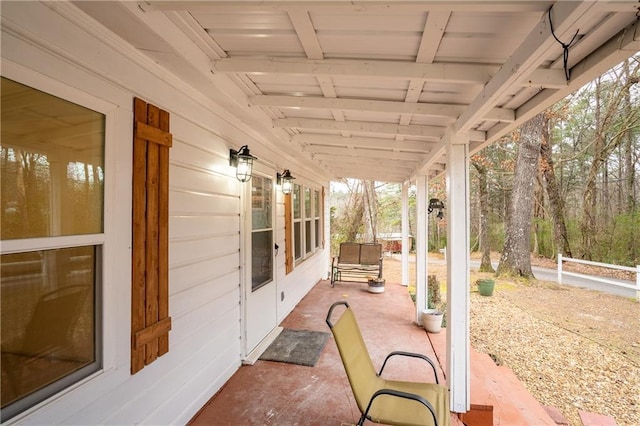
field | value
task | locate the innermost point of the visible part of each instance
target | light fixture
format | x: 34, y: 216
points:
x: 242, y: 160
x: 286, y: 181
x: 435, y: 204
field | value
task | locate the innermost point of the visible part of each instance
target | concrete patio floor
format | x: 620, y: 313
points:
x: 286, y: 394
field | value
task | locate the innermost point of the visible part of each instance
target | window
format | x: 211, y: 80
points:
x: 305, y: 217
x: 316, y: 217
x: 51, y: 209
x: 297, y: 220
x: 261, y: 232
x: 308, y: 237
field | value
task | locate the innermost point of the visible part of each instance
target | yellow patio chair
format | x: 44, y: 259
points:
x: 386, y: 401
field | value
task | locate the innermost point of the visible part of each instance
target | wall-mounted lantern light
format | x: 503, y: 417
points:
x: 435, y: 204
x: 286, y: 181
x: 242, y: 160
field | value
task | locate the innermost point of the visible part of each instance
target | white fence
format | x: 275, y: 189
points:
x: 636, y: 270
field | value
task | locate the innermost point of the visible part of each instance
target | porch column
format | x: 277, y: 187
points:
x: 405, y: 234
x: 421, y: 246
x: 458, y: 345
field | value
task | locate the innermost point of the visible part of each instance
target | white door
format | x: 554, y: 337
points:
x: 260, y: 288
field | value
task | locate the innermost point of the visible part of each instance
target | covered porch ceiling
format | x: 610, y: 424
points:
x: 374, y: 90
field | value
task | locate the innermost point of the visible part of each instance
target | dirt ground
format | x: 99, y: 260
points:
x: 573, y: 348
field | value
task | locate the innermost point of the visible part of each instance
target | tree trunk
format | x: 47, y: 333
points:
x: 485, y: 247
x: 556, y: 204
x: 516, y: 258
x: 370, y: 211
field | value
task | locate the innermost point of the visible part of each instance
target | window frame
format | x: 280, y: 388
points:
x: 106, y: 319
x: 311, y: 237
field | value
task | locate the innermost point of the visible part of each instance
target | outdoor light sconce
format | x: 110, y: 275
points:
x: 243, y: 162
x: 436, y: 204
x: 286, y: 180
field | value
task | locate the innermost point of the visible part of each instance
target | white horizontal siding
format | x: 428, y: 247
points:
x: 204, y: 228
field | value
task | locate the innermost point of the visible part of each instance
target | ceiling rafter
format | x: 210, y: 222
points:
x: 431, y: 132
x: 361, y: 7
x: 444, y: 111
x: 362, y: 142
x: 437, y: 72
x: 361, y: 152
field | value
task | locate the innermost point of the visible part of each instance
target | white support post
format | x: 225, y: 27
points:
x: 458, y: 298
x: 406, y: 247
x: 638, y: 283
x: 421, y: 246
x: 560, y: 268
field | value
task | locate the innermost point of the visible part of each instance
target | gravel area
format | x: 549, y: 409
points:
x: 569, y: 355
x: 572, y: 348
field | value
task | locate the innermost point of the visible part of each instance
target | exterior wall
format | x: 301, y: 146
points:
x: 45, y: 46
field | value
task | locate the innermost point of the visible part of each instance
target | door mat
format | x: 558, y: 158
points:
x: 302, y: 347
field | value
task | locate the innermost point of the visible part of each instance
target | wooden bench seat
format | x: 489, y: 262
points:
x: 357, y: 260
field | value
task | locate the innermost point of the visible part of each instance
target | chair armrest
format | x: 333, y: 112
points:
x: 405, y: 395
x: 412, y: 355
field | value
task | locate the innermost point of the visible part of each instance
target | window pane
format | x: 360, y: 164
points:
x: 52, y: 172
x: 297, y: 238
x: 262, y: 235
x: 318, y: 236
x: 316, y: 199
x: 260, y: 202
x: 48, y: 320
x: 307, y: 241
x: 296, y: 201
x: 261, y: 258
x: 307, y: 203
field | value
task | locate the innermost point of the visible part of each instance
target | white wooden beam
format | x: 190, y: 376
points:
x: 545, y: 78
x: 439, y: 72
x: 306, y: 33
x: 432, y: 132
x: 389, y: 176
x: 363, y: 153
x: 432, y: 35
x: 500, y: 114
x: 362, y: 142
x: 232, y: 6
x: 443, y: 111
x: 527, y: 57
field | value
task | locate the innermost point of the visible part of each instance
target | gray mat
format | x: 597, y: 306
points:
x: 302, y: 347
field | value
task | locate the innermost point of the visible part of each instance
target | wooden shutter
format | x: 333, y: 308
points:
x: 288, y: 233
x: 150, y: 321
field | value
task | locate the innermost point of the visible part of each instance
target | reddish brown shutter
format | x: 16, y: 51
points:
x: 150, y: 322
x: 288, y: 234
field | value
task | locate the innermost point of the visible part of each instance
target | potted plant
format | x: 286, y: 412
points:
x: 375, y: 284
x: 432, y: 317
x: 485, y: 286
x: 432, y: 320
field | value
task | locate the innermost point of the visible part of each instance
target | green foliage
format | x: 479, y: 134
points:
x: 543, y: 230
x: 620, y: 243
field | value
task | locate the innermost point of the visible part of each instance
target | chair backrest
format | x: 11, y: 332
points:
x: 349, y: 253
x: 370, y: 253
x: 355, y: 356
x: 55, y: 316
